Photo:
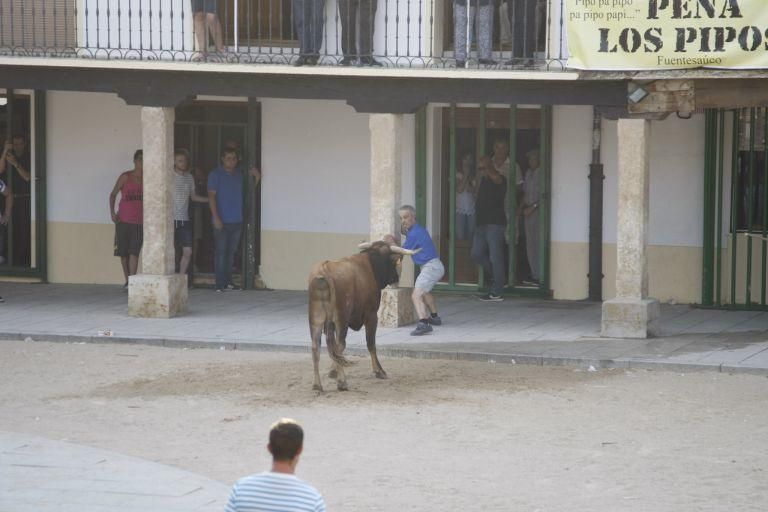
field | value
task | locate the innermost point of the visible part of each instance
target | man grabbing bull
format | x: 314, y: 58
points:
x: 432, y: 270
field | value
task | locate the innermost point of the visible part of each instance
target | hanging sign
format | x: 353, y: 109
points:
x: 667, y: 34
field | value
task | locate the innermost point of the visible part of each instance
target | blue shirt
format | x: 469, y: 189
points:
x: 274, y: 492
x: 229, y: 194
x: 418, y: 238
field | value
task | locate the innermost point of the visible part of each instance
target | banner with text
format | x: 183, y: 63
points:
x: 667, y: 34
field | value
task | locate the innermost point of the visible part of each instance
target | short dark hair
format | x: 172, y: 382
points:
x: 182, y: 152
x: 228, y: 150
x: 285, y: 439
x: 139, y: 153
x: 19, y: 136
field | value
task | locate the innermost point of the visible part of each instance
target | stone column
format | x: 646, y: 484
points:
x: 157, y: 292
x: 632, y: 314
x: 386, y: 187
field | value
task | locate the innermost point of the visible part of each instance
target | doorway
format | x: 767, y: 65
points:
x: 205, y: 129
x: 22, y: 169
x: 516, y: 139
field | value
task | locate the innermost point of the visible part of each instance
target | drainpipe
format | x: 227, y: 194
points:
x: 596, y: 178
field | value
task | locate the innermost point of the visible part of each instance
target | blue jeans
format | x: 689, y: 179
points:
x: 226, y: 240
x: 465, y: 226
x: 488, y: 251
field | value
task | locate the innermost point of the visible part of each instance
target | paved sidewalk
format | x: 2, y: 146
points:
x: 42, y: 475
x: 523, y: 331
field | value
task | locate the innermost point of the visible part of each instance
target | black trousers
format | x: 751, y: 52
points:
x: 308, y: 18
x: 522, y: 19
x: 349, y: 11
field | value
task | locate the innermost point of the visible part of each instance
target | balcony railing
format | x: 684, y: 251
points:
x: 484, y: 34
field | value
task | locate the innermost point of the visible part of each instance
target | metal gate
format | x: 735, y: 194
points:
x: 735, y: 257
x: 461, y: 131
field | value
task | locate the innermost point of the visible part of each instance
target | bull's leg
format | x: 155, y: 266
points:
x: 341, y: 378
x: 316, y: 332
x: 343, y: 339
x: 330, y: 339
x: 370, y: 339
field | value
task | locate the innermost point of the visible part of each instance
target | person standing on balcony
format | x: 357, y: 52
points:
x: 353, y: 12
x: 464, y: 13
x: 309, y: 20
x: 522, y: 19
x: 207, y: 25
x: 129, y: 219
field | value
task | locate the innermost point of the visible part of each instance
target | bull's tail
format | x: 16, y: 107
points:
x: 323, y: 294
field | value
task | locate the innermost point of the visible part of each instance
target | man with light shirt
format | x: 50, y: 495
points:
x: 183, y: 192
x: 278, y: 489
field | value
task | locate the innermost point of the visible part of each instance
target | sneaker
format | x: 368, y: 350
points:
x: 2, y: 300
x: 435, y: 320
x: 491, y: 298
x: 233, y: 288
x: 219, y: 290
x: 421, y: 329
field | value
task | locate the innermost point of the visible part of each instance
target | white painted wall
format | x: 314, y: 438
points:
x: 135, y: 25
x: 677, y: 181
x: 316, y: 160
x: 571, y: 156
x: 91, y: 140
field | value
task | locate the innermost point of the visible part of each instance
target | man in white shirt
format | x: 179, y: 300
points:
x: 279, y: 489
x: 183, y: 192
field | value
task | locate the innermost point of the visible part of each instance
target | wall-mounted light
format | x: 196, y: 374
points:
x: 637, y: 95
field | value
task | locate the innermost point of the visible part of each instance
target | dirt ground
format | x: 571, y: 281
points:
x: 437, y: 435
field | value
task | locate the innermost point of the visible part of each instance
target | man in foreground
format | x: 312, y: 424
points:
x: 278, y: 489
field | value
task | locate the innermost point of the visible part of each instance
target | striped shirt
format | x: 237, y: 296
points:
x: 183, y: 185
x: 274, y: 492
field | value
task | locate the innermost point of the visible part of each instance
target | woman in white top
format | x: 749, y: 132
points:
x: 466, y: 188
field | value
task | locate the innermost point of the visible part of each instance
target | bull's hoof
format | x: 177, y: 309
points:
x: 342, y: 386
x: 333, y: 374
x: 317, y: 387
x: 381, y: 375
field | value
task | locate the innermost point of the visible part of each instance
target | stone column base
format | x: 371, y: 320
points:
x: 152, y: 296
x: 630, y: 318
x: 396, y: 308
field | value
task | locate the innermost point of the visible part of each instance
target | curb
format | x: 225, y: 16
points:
x: 626, y: 363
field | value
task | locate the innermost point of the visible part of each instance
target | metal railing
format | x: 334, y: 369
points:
x: 485, y: 34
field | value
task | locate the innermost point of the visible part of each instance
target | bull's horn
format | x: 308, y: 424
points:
x: 400, y: 250
x: 365, y: 245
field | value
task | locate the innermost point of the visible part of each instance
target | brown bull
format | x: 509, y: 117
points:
x: 347, y: 293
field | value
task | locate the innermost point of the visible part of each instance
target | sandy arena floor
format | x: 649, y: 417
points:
x: 437, y: 435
